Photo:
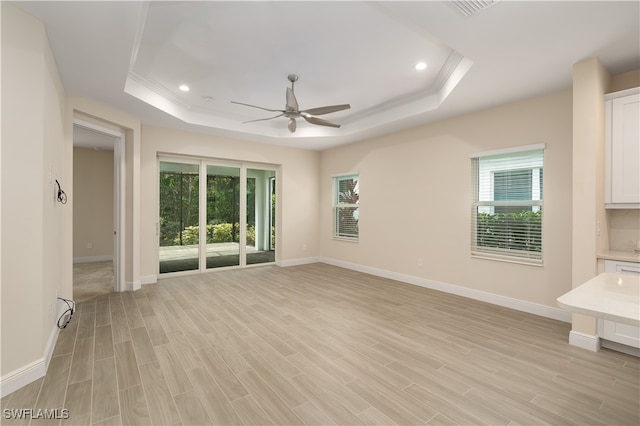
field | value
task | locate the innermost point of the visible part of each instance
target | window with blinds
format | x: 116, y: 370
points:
x: 507, y: 205
x: 346, y: 199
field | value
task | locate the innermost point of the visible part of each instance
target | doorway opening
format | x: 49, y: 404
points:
x: 98, y: 210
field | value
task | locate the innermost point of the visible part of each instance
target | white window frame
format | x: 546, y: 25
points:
x: 337, y: 205
x: 483, y: 201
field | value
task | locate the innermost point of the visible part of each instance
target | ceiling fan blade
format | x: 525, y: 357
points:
x: 292, y: 110
x: 255, y: 106
x: 318, y: 121
x: 326, y: 109
x: 263, y: 119
x: 292, y: 125
x: 292, y: 103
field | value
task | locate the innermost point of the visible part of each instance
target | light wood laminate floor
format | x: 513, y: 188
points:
x: 92, y: 279
x: 320, y: 345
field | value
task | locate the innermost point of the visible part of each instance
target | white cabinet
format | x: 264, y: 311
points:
x: 612, y: 331
x: 620, y: 267
x: 619, y: 333
x: 622, y: 149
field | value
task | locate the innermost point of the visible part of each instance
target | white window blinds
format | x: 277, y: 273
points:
x: 346, y: 199
x: 507, y: 205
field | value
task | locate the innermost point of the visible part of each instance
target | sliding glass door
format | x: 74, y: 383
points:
x: 223, y: 216
x: 179, y: 217
x: 215, y: 215
x: 260, y: 216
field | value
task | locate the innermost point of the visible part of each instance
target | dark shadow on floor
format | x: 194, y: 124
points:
x: 180, y: 265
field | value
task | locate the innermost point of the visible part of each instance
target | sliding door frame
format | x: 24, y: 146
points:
x: 203, y: 163
x: 178, y: 160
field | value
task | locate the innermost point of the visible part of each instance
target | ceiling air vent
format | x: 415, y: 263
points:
x: 471, y: 7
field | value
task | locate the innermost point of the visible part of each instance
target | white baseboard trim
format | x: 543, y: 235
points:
x: 31, y: 372
x: 148, y: 279
x: 299, y: 261
x: 61, y: 307
x: 89, y: 259
x: 584, y: 341
x: 132, y: 285
x: 20, y: 377
x: 496, y: 299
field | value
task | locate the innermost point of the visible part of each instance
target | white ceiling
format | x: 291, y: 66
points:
x: 134, y: 55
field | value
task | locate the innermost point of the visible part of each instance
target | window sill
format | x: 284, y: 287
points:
x: 507, y: 259
x: 346, y: 239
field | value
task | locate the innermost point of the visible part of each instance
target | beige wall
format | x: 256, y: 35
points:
x: 415, y: 195
x: 624, y: 229
x: 627, y: 80
x: 36, y: 243
x: 297, y: 188
x: 92, y: 203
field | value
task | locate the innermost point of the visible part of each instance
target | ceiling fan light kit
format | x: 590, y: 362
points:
x: 292, y: 110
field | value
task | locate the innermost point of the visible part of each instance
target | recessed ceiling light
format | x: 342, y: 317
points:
x: 184, y: 87
x: 421, y: 66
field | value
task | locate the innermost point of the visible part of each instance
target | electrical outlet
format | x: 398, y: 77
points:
x: 420, y: 263
x: 89, y: 245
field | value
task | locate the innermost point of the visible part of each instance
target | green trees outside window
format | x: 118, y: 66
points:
x: 179, y: 192
x: 511, y: 231
x: 179, y: 209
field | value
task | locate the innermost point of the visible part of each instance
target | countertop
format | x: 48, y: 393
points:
x: 610, y: 296
x: 625, y: 256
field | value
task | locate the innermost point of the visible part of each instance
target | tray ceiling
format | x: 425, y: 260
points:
x: 243, y: 51
x: 132, y: 56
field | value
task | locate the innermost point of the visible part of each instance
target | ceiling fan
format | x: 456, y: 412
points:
x: 292, y: 111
